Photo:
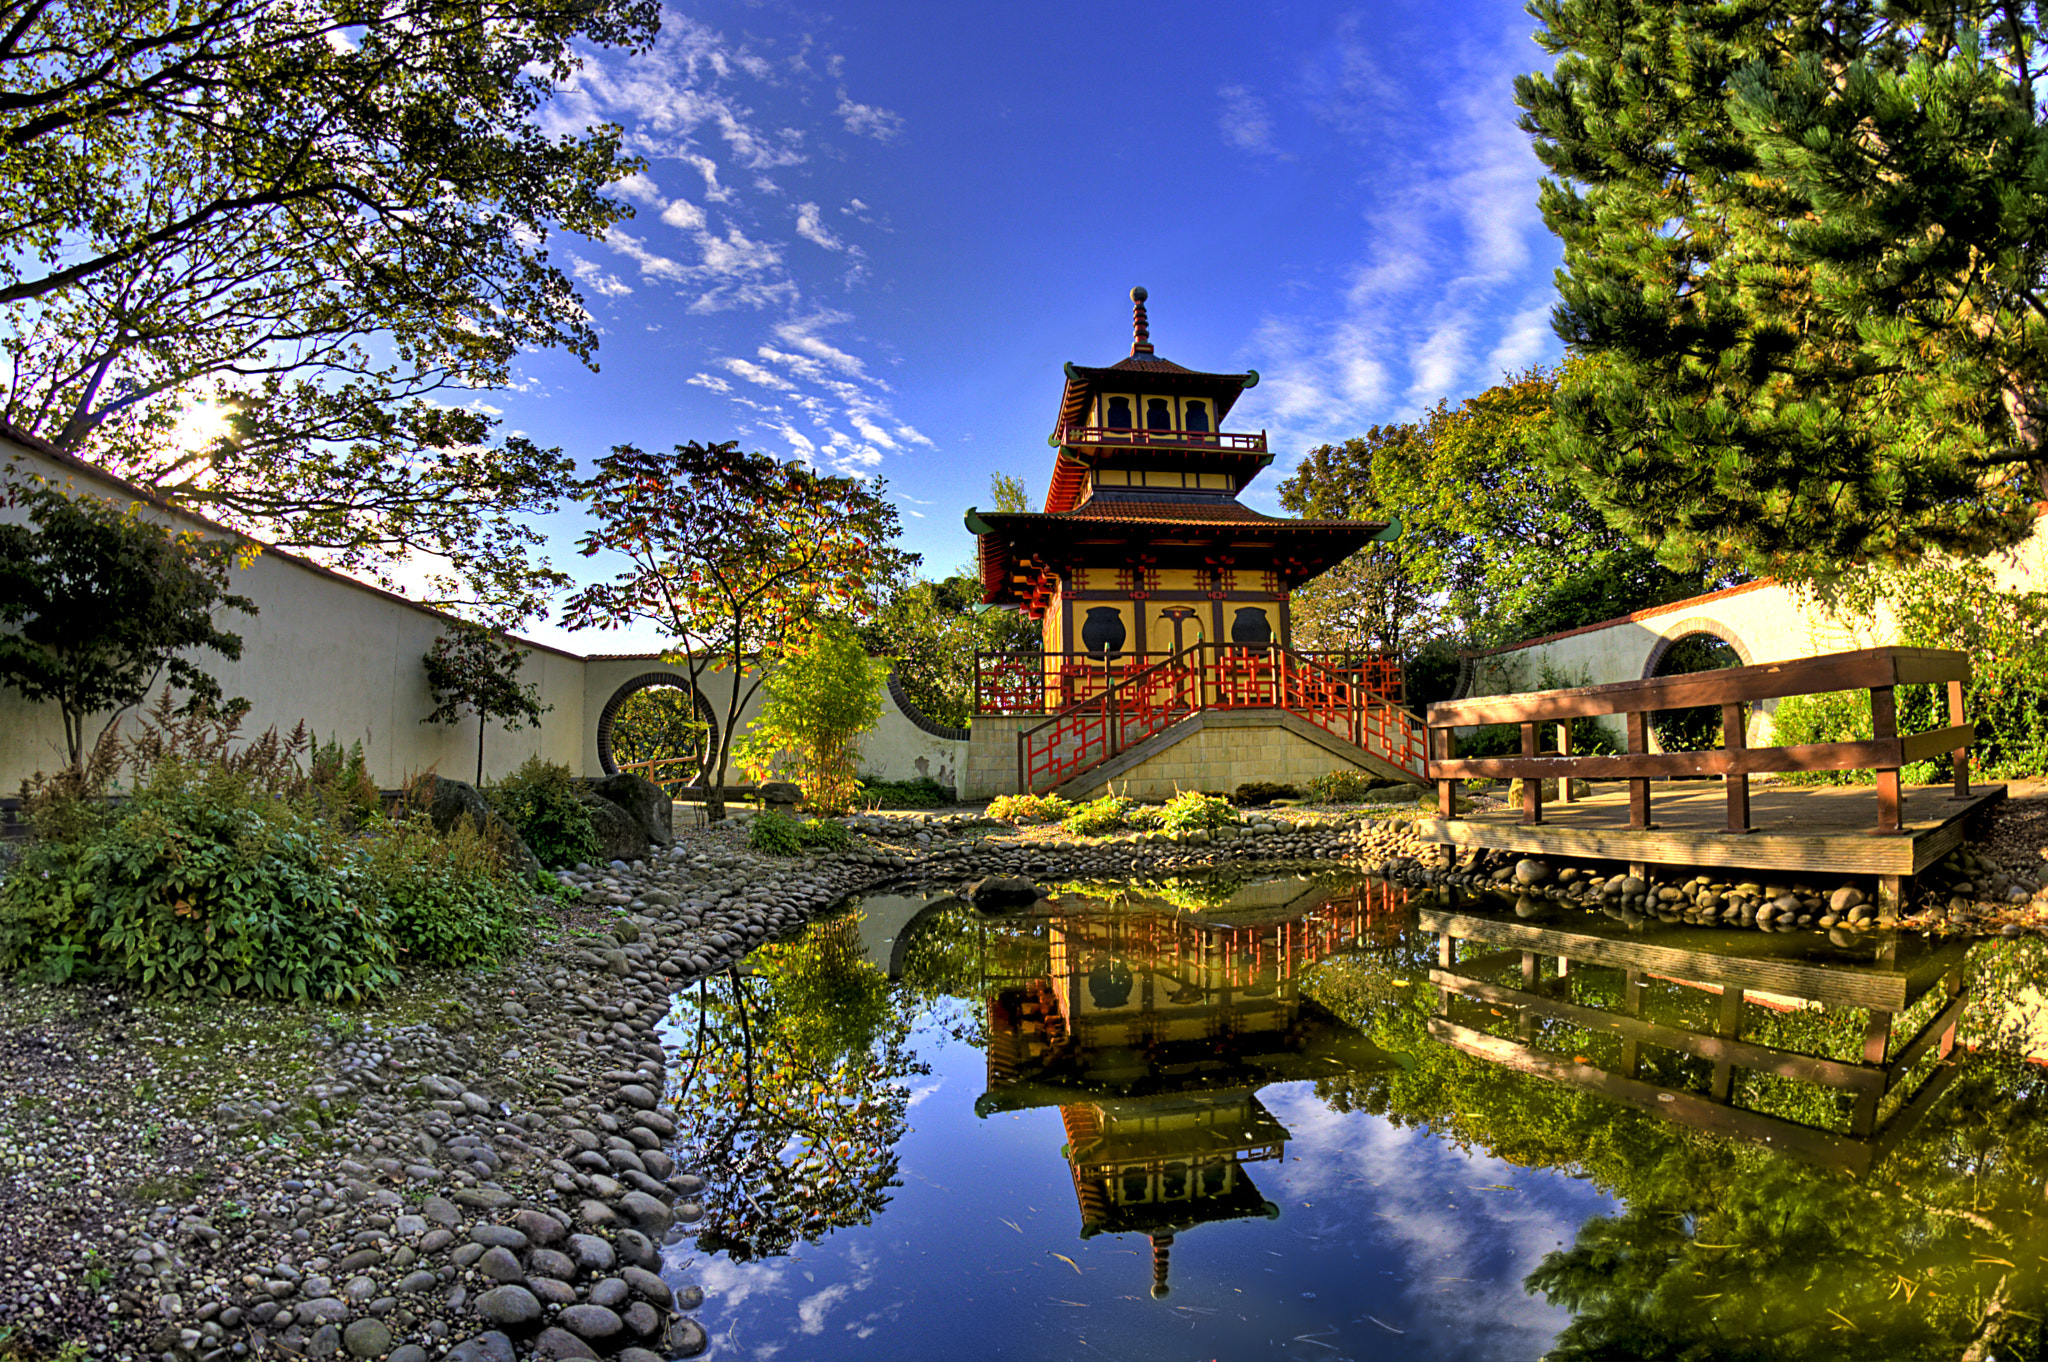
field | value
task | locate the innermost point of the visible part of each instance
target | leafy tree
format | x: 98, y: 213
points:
x: 1803, y: 266
x: 824, y: 693
x: 1008, y: 493
x: 331, y: 225
x: 732, y: 555
x: 476, y: 669
x: 99, y: 603
x: 1494, y: 547
x: 933, y: 630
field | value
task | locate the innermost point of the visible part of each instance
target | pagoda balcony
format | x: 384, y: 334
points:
x: 1234, y: 442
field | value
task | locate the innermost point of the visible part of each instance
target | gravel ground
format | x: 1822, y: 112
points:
x: 478, y: 1167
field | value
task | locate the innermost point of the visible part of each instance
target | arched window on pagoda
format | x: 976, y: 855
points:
x: 1198, y: 416
x: 1158, y: 414
x: 1118, y: 413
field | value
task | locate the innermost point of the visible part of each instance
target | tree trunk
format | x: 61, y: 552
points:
x: 480, y: 750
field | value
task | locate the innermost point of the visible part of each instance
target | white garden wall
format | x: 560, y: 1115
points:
x: 345, y: 657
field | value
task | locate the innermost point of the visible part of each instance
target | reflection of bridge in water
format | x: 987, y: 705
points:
x: 1152, y: 1028
x: 1668, y: 1025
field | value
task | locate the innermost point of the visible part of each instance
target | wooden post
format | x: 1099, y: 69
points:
x: 1632, y: 999
x: 1532, y: 790
x: 1639, y: 788
x: 1446, y: 743
x: 1960, y: 758
x: 1735, y: 738
x: 1876, y: 1037
x: 1884, y: 723
x: 1730, y: 1028
x: 1891, y: 896
x: 1564, y: 749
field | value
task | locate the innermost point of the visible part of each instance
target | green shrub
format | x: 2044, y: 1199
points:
x: 1098, y: 816
x: 921, y: 793
x: 1338, y: 787
x: 539, y: 801
x: 202, y: 881
x: 1256, y: 793
x: 1189, y: 810
x: 1028, y: 808
x: 448, y: 898
x: 1144, y: 816
x: 778, y: 834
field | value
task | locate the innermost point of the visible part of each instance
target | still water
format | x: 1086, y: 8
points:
x: 1320, y: 1118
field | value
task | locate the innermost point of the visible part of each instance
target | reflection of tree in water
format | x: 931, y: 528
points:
x: 1726, y: 1250
x: 793, y: 1098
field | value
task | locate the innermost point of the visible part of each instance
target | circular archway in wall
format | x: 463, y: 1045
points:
x: 1695, y: 645
x: 657, y: 717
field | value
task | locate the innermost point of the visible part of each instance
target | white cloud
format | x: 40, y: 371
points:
x: 681, y: 213
x: 811, y: 229
x: 734, y: 253
x: 754, y: 373
x: 1246, y: 122
x: 638, y: 186
x: 711, y: 381
x: 868, y: 120
x: 651, y: 265
x: 597, y: 279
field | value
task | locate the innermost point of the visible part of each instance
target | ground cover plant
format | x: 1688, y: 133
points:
x: 1028, y: 808
x: 539, y: 801
x: 921, y: 793
x: 780, y: 835
x: 254, y: 871
x: 1190, y: 811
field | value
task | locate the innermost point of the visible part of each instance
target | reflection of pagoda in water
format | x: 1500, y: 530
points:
x: 1152, y: 1031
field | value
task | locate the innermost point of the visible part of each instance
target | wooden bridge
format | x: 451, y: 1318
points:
x: 1705, y: 815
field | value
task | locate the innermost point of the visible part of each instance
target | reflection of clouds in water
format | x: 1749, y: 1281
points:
x: 1431, y: 1207
x: 729, y: 1283
x: 923, y: 1090
x: 811, y: 1310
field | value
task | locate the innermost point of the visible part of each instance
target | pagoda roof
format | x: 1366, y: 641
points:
x: 1015, y: 545
x: 1156, y: 372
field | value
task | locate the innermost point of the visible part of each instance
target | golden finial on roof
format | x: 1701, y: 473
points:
x: 1141, y: 334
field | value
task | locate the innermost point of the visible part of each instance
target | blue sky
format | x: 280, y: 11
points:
x: 870, y: 238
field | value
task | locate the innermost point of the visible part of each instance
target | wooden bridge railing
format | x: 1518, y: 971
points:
x: 1878, y: 670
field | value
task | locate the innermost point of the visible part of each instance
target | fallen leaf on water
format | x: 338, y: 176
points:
x: 1388, y: 1327
x: 1011, y: 1223
x: 1082, y: 1304
x: 1068, y: 1261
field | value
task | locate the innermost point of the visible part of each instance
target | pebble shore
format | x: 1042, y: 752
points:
x: 480, y: 1167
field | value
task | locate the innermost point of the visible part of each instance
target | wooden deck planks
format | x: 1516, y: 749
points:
x: 1824, y: 830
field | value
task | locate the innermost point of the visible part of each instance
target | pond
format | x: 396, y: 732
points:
x: 1325, y: 1117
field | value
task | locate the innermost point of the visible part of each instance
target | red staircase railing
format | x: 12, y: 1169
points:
x: 1098, y: 727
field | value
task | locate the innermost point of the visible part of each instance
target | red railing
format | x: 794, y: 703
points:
x: 1047, y: 683
x: 1144, y: 701
x: 1234, y: 441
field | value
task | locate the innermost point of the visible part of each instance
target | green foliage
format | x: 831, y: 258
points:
x: 822, y: 697
x: 780, y: 835
x: 1028, y: 808
x: 1254, y: 793
x: 933, y: 630
x: 1697, y: 729
x: 559, y: 890
x: 739, y: 554
x: 336, y: 241
x: 1802, y: 255
x: 2005, y: 634
x: 1838, y: 716
x: 1097, y: 817
x: 831, y: 1001
x: 1008, y: 493
x: 474, y: 668
x: 660, y: 724
x: 202, y: 881
x: 1494, y: 546
x: 921, y: 793
x: 1189, y: 811
x: 1338, y: 787
x: 100, y: 603
x: 539, y: 801
x: 447, y: 898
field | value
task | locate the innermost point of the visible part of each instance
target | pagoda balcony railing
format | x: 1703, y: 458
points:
x: 1236, y: 442
x: 1046, y: 683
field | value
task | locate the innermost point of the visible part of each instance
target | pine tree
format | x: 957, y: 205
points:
x: 1803, y: 270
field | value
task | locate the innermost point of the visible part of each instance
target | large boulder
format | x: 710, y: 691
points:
x: 645, y: 802
x: 450, y: 801
x: 619, y: 835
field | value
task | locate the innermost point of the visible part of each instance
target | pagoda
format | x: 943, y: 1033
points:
x: 1144, y: 556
